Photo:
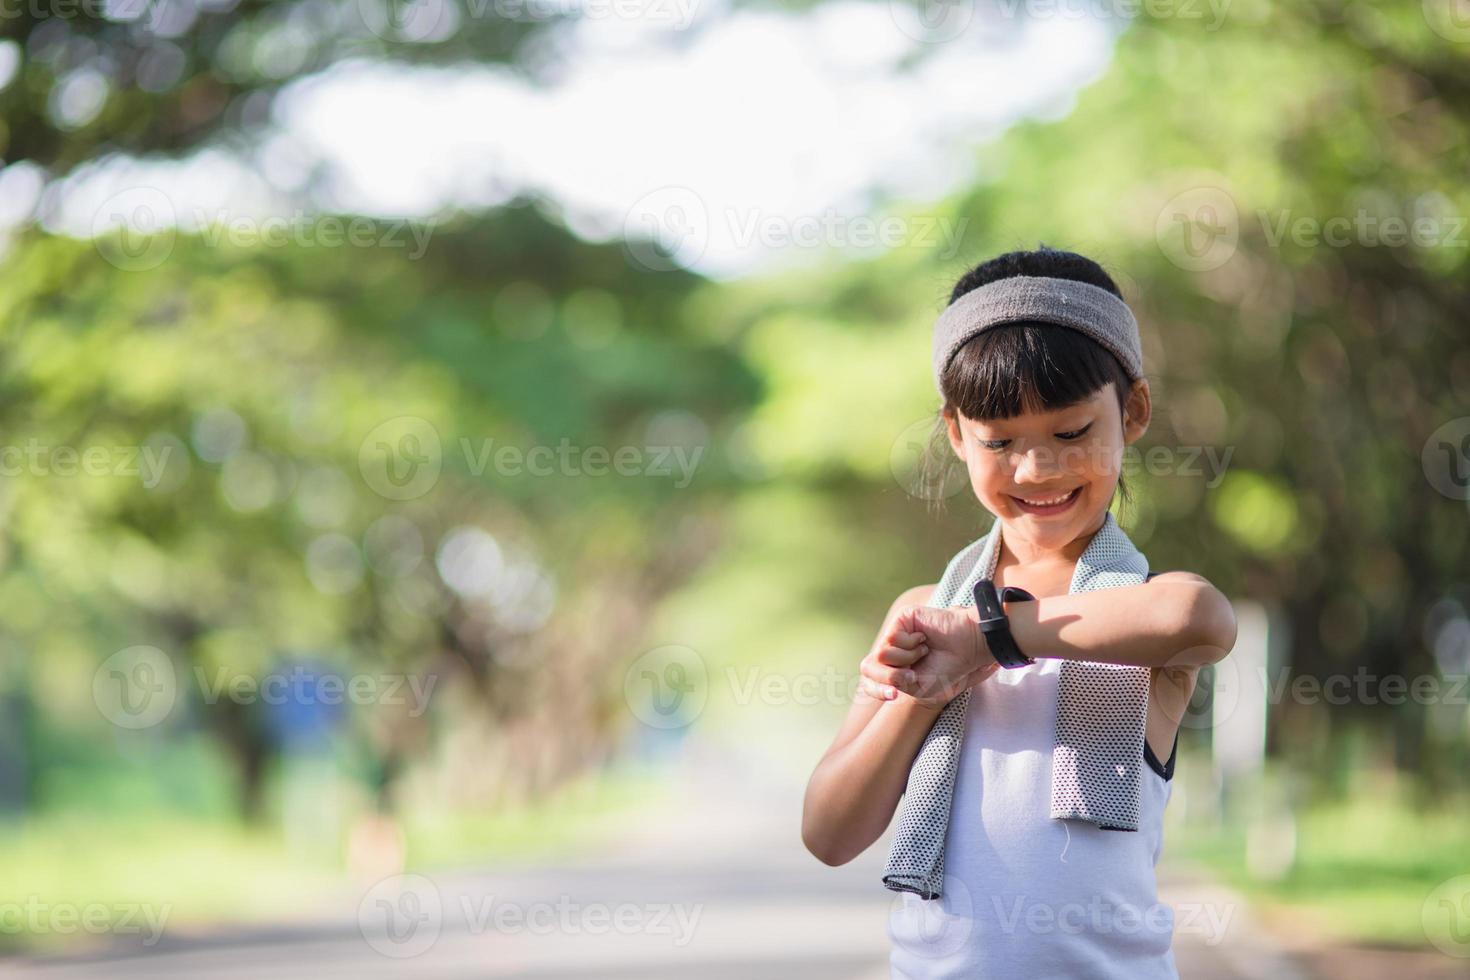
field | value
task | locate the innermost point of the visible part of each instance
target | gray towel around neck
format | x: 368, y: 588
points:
x: 1102, y: 714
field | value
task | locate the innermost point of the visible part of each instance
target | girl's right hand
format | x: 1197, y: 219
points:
x: 905, y: 663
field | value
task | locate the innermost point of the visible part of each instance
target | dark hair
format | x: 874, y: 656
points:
x: 1018, y: 367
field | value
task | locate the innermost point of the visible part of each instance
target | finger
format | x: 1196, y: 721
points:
x: 912, y: 619
x: 890, y: 676
x: 876, y: 691
x: 898, y: 657
x: 907, y: 639
x: 905, y: 619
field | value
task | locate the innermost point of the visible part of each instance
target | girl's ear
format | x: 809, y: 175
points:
x: 1137, y: 411
x: 956, y: 437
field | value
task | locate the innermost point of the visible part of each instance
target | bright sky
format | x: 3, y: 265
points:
x: 727, y: 140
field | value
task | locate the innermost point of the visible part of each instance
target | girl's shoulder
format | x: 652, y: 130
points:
x: 919, y: 595
x: 1176, y: 576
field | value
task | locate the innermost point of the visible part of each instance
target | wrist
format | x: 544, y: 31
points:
x: 911, y: 709
x: 993, y: 623
x: 981, y: 658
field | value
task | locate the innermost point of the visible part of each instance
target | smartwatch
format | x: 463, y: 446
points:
x: 996, y: 625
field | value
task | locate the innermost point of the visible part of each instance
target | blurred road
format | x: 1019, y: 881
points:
x: 721, y: 890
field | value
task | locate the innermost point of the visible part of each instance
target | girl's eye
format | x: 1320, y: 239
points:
x: 994, y: 444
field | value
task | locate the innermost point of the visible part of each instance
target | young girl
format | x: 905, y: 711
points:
x: 1026, y: 751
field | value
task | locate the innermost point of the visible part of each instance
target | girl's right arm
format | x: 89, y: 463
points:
x: 857, y: 785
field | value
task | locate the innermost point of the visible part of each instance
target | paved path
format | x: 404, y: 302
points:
x: 723, y: 889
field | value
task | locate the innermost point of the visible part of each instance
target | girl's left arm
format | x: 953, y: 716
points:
x: 1177, y: 619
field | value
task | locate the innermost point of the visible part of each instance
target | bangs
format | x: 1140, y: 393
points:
x: 1017, y: 368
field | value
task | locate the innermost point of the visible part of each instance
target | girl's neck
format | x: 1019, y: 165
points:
x: 1024, y: 553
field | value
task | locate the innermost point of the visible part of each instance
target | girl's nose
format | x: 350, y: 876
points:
x: 1038, y: 465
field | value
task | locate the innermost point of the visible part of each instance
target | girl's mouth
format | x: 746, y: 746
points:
x: 1048, y: 509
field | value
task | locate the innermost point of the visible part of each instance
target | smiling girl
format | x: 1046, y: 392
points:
x: 1026, y: 748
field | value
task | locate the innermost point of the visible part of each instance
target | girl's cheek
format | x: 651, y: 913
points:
x: 1100, y: 458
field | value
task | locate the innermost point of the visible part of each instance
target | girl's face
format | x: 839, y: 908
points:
x: 1050, y: 476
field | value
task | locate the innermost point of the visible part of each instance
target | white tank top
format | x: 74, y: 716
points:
x: 1027, y: 897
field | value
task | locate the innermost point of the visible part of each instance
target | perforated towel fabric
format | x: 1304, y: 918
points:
x: 1102, y: 713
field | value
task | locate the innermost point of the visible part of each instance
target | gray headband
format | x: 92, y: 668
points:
x: 1065, y: 302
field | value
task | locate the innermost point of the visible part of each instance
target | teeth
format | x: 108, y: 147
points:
x: 1047, y: 503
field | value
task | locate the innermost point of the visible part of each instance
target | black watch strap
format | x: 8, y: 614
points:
x: 989, y: 603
